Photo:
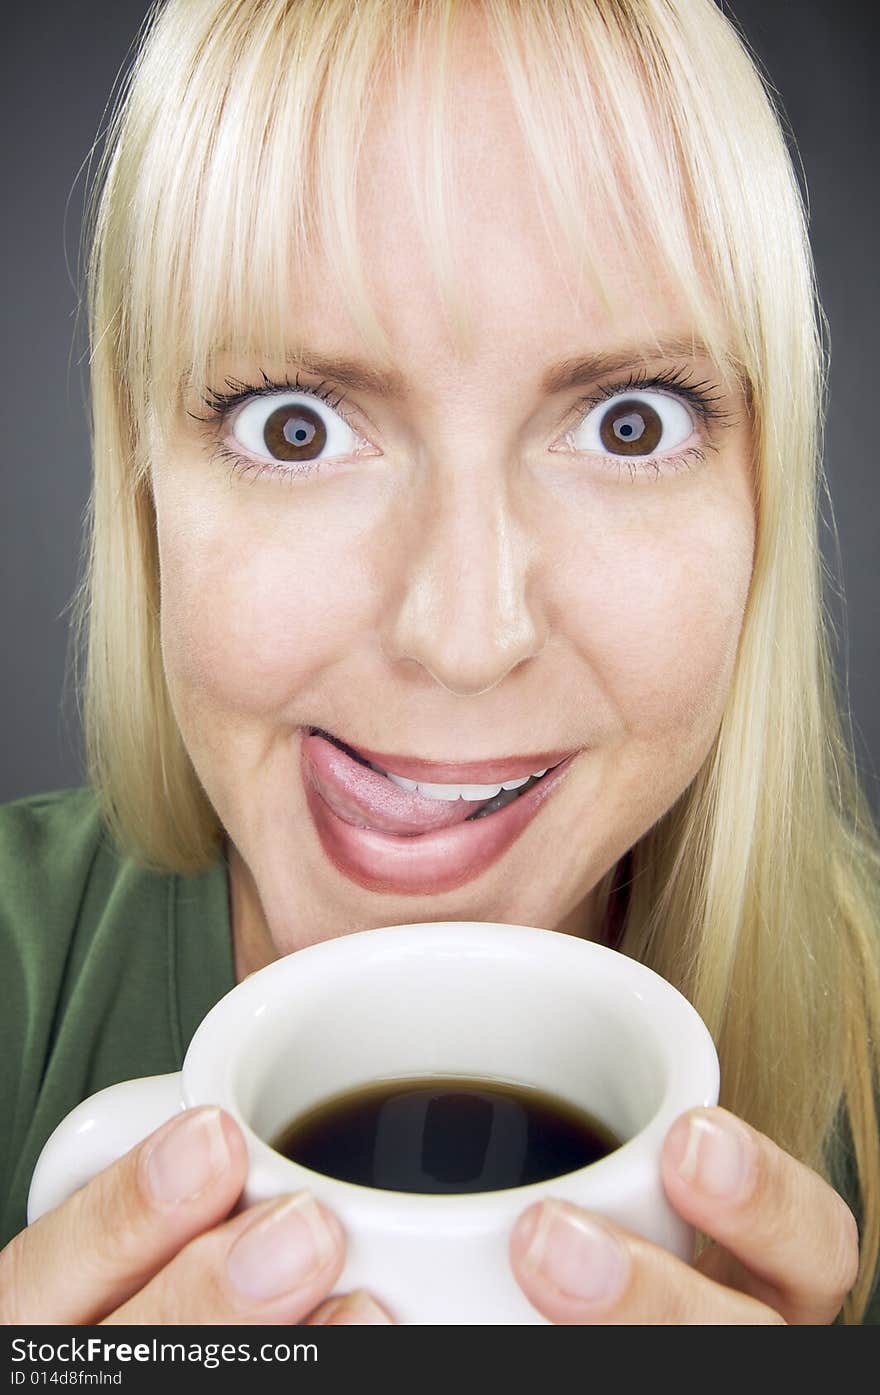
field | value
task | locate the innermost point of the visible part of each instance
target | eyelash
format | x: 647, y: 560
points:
x: 698, y: 396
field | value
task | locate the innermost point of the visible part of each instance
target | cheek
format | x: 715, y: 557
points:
x: 658, y: 611
x: 247, y: 622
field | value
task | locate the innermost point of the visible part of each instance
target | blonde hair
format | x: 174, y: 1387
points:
x: 757, y: 893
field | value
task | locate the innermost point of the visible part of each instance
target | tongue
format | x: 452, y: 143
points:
x: 360, y: 795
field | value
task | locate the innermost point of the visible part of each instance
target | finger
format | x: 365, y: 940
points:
x: 577, y: 1269
x: 792, y: 1240
x: 271, y: 1264
x: 357, y: 1309
x: 81, y: 1260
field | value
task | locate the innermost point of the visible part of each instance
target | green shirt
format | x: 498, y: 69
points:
x: 106, y: 970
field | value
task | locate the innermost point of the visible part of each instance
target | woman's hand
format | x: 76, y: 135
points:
x: 148, y: 1241
x: 786, y: 1246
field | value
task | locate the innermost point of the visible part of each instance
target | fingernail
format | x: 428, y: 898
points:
x: 355, y: 1309
x: 579, y: 1257
x: 718, y: 1157
x: 187, y: 1157
x: 282, y: 1251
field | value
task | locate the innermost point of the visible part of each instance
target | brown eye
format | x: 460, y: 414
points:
x: 292, y: 428
x: 630, y: 427
x: 634, y: 423
x: 294, y: 432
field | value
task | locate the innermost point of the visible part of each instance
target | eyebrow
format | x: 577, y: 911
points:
x: 577, y: 371
x: 586, y: 368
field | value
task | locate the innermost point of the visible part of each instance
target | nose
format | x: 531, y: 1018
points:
x: 466, y: 607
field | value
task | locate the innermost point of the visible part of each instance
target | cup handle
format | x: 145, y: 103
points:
x: 96, y: 1133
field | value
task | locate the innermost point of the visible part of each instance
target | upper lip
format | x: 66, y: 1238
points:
x: 474, y: 772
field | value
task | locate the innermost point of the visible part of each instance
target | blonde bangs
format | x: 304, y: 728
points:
x: 241, y: 163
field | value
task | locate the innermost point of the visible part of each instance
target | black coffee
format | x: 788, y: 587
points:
x: 445, y: 1134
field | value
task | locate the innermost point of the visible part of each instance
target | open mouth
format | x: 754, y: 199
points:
x: 387, y: 833
x: 492, y: 804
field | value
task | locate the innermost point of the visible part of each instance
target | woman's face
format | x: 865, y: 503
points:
x: 488, y: 567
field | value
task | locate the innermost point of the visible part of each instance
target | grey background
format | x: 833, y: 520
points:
x: 60, y: 64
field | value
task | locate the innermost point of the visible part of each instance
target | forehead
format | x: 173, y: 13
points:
x: 523, y: 288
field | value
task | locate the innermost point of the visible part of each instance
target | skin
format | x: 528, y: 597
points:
x: 622, y: 599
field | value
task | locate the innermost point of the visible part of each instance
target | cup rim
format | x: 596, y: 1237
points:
x: 691, y: 1059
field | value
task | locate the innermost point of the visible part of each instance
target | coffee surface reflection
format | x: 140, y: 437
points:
x: 445, y: 1134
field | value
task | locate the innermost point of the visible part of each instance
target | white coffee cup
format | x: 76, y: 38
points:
x: 504, y: 1002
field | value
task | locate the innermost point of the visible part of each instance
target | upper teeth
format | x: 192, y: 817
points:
x: 450, y: 792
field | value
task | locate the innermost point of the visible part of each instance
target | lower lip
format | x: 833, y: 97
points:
x: 427, y: 863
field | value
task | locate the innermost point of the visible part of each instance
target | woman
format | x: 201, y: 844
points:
x: 456, y: 384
